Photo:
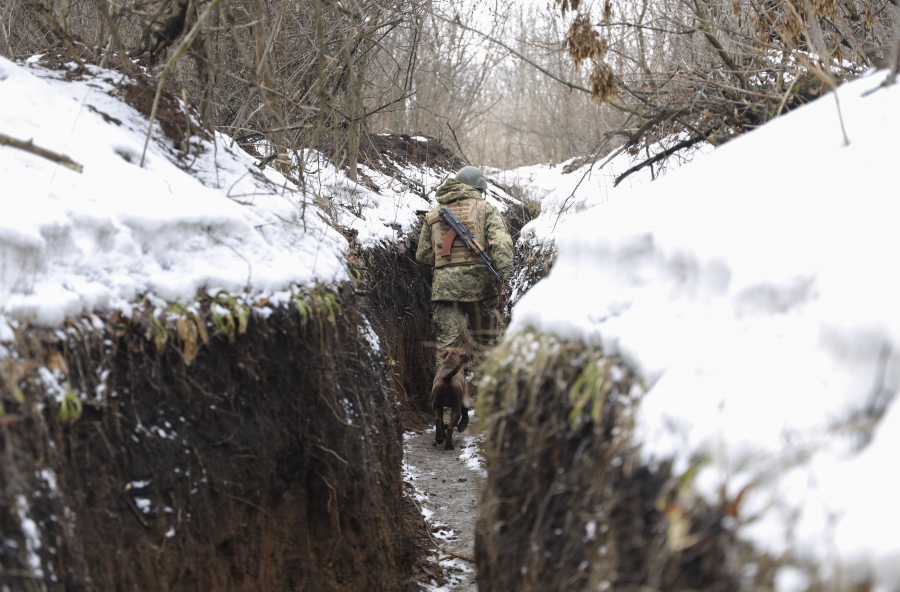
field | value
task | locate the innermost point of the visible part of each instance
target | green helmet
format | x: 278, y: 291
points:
x: 472, y: 177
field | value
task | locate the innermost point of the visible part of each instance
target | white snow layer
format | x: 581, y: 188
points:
x: 98, y: 240
x: 753, y: 290
x: 564, y: 195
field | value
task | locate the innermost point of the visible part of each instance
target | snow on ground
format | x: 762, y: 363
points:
x: 447, y: 490
x: 120, y: 232
x: 99, y: 239
x: 103, y: 239
x: 563, y: 195
x: 389, y: 213
x: 754, y: 291
x: 470, y: 452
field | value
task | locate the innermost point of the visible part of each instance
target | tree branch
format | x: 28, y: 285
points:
x: 59, y: 33
x: 662, y: 155
x: 704, y: 26
x: 42, y: 152
x: 510, y: 50
x: 457, y: 143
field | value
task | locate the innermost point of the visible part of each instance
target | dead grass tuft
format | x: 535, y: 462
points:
x: 568, y: 504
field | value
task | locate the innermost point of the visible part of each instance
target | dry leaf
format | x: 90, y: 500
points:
x: 55, y: 361
x: 201, y: 330
x: 187, y: 332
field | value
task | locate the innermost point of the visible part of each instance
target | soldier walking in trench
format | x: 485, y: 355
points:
x: 466, y: 294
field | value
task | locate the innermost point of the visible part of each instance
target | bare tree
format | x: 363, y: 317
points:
x: 709, y: 70
x: 448, y: 72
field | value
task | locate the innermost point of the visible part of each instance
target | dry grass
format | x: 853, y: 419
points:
x: 568, y: 504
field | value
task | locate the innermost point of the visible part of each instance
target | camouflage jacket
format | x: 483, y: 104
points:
x: 466, y: 283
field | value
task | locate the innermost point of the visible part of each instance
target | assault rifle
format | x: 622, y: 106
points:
x: 456, y: 228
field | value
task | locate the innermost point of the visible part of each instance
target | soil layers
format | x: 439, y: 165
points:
x: 254, y: 451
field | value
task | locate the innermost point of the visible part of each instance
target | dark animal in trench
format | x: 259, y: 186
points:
x: 447, y: 391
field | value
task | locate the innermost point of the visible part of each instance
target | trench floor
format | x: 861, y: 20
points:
x: 447, y: 487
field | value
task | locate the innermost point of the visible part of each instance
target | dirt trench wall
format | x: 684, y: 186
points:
x: 271, y: 462
x: 568, y: 506
x: 532, y: 261
x: 398, y: 292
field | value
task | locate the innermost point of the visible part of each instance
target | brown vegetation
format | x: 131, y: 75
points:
x: 705, y: 71
x: 568, y: 504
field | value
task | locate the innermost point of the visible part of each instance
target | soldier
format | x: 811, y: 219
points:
x: 465, y: 294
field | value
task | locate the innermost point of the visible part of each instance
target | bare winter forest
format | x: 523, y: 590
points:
x: 504, y: 83
x: 217, y: 350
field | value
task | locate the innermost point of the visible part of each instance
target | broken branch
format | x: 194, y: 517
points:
x: 42, y: 152
x: 662, y: 155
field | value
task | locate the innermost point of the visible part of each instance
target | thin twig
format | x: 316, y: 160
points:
x: 42, y: 152
x: 256, y: 85
x: 787, y: 95
x: 451, y: 554
x: 59, y: 33
x: 182, y: 47
x: 461, y: 153
x: 541, y: 69
x: 725, y: 86
x: 114, y: 32
x: 662, y: 155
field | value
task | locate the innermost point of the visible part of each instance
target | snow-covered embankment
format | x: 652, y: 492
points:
x: 190, y: 394
x: 753, y: 293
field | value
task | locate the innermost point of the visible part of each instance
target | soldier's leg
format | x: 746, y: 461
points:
x: 484, y: 320
x: 481, y: 334
x: 484, y: 325
x: 449, y: 324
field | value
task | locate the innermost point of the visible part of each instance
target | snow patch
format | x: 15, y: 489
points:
x: 96, y: 241
x: 32, y: 536
x: 369, y: 334
x: 471, y: 452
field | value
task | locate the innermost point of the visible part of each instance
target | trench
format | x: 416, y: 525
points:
x: 260, y: 456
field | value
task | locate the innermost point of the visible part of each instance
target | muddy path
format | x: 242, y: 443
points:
x: 447, y: 486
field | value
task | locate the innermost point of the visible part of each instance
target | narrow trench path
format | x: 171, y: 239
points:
x: 448, y: 486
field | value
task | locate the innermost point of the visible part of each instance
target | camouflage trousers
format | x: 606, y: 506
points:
x: 475, y: 324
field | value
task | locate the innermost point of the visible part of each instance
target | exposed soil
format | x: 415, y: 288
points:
x: 568, y: 506
x: 271, y: 462
x: 169, y: 114
x: 384, y: 152
x: 448, y: 486
x: 393, y: 155
x: 59, y: 58
x: 401, y: 304
x: 138, y: 90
